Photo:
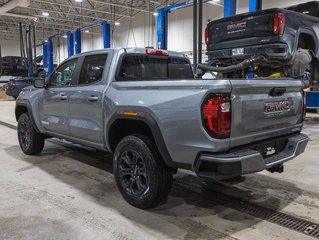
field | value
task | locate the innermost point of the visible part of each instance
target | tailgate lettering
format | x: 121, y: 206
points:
x: 236, y: 26
x: 275, y: 107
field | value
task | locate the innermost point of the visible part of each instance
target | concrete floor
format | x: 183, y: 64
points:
x: 68, y: 192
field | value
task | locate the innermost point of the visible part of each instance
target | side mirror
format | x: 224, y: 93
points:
x: 38, y: 83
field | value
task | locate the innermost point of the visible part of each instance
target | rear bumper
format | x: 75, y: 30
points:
x: 223, y: 166
x: 272, y: 51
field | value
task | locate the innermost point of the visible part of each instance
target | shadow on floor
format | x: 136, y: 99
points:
x: 190, y: 200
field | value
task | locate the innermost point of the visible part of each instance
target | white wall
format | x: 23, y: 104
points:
x: 10, y: 48
x: 141, y: 34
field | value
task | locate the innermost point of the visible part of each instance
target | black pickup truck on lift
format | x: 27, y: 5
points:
x: 272, y: 42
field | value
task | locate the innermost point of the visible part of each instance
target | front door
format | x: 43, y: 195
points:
x: 55, y: 114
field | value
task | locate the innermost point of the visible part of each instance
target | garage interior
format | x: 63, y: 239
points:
x: 68, y: 191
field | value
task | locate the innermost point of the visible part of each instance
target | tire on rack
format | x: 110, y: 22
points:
x: 143, y: 178
x: 31, y: 142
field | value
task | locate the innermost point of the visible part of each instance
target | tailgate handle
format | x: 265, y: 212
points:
x: 275, y: 92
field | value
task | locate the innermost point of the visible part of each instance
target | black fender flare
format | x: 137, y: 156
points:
x: 149, y: 120
x: 27, y: 105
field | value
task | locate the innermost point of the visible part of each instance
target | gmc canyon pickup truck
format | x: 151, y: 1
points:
x: 272, y: 42
x: 146, y: 107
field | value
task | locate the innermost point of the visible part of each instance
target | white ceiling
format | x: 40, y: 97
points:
x: 68, y: 15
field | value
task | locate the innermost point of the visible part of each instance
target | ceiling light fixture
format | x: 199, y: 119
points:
x: 155, y: 13
x: 79, y: 1
x: 117, y: 23
x: 46, y: 14
x: 216, y: 2
x: 86, y: 31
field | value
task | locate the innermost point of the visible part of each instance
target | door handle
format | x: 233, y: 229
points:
x: 276, y: 92
x: 93, y: 98
x: 63, y: 97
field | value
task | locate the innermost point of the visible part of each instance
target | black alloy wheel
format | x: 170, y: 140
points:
x: 141, y: 175
x: 31, y: 142
x: 132, y: 172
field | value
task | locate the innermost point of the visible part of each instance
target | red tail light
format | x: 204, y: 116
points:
x: 206, y: 36
x: 216, y: 112
x: 156, y: 52
x: 279, y: 24
x: 12, y: 85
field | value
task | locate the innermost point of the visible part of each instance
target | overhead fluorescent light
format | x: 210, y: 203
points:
x: 86, y: 31
x: 46, y: 14
x: 79, y: 1
x: 117, y: 23
x: 216, y: 3
x: 155, y: 13
x: 65, y: 36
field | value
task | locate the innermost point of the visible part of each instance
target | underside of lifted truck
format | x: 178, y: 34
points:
x: 267, y: 43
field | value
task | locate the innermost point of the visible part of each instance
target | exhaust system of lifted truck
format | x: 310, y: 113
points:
x: 240, y: 66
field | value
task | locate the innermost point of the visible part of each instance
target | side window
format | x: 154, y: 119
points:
x: 63, y: 75
x: 92, y: 69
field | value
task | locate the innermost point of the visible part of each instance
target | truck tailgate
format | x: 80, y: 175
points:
x: 264, y: 109
x: 249, y: 25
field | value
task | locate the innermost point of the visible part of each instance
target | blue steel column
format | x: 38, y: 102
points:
x: 255, y: 5
x: 106, y: 30
x: 50, y: 55
x: 230, y: 8
x: 162, y: 28
x: 77, y: 41
x: 45, y: 56
x: 70, y: 44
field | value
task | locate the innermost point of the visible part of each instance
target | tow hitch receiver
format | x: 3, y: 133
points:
x: 278, y: 168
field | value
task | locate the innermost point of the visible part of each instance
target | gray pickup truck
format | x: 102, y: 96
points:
x: 146, y: 107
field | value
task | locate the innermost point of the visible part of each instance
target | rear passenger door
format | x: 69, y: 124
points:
x: 86, y: 102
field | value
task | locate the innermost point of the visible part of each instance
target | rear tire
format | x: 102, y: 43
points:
x: 31, y: 142
x: 302, y: 66
x: 141, y: 175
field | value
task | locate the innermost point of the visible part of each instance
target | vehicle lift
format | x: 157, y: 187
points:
x: 230, y: 7
x: 74, y: 43
x: 28, y: 46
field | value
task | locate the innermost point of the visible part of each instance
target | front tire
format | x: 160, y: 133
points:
x: 143, y: 179
x: 31, y: 142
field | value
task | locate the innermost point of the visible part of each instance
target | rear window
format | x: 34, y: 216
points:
x: 142, y: 67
